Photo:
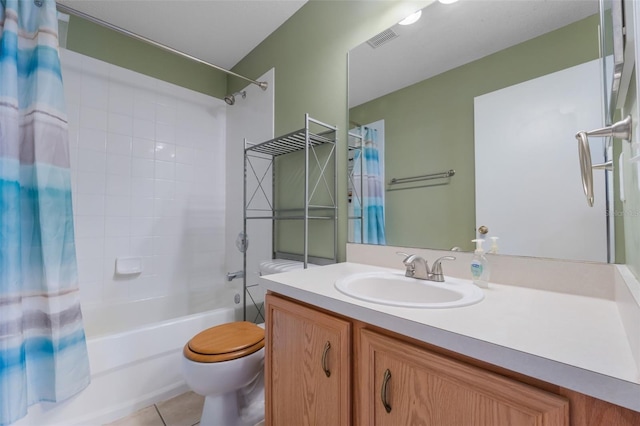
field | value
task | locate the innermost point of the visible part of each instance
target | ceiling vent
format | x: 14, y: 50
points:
x: 382, y: 38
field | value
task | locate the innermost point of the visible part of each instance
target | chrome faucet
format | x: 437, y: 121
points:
x: 233, y: 275
x: 417, y: 267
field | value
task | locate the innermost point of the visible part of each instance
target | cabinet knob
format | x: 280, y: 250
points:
x: 383, y: 391
x: 327, y: 346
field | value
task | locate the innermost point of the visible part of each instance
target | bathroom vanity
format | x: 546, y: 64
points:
x: 521, y: 356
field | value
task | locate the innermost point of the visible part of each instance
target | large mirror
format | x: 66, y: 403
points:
x: 612, y: 45
x: 462, y: 125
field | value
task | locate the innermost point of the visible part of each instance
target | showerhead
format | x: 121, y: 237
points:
x: 231, y: 99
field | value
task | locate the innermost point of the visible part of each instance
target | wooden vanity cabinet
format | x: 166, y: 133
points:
x: 401, y: 384
x: 425, y: 385
x: 307, y: 365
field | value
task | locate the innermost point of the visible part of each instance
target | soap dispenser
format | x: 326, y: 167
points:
x: 494, y: 245
x: 480, y: 266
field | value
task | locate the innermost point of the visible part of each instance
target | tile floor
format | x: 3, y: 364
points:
x: 183, y: 410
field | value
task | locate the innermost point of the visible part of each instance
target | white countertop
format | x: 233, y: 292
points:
x: 576, y: 342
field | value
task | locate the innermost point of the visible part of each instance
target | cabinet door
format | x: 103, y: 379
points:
x: 406, y: 385
x: 307, y: 366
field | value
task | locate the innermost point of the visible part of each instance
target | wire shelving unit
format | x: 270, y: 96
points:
x: 317, y: 141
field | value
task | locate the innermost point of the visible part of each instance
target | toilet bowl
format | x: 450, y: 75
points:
x: 224, y: 363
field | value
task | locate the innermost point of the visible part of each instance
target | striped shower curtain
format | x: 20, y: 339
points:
x: 372, y: 197
x: 43, y: 355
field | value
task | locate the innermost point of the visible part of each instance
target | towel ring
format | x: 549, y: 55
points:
x: 619, y: 130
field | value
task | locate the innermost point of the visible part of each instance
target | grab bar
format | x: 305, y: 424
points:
x: 446, y: 174
x: 619, y: 130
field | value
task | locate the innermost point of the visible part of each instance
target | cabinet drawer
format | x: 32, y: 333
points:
x: 406, y: 385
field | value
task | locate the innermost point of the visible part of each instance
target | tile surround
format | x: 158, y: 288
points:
x: 146, y: 158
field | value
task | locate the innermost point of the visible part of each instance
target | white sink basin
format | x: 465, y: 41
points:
x: 388, y: 288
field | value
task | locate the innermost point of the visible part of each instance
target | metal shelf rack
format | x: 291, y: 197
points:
x: 317, y: 141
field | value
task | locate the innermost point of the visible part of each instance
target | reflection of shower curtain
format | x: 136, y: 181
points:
x: 43, y: 355
x: 371, y: 197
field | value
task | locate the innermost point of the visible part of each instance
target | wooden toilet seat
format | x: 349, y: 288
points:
x: 225, y: 342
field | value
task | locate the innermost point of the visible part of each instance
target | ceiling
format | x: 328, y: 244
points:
x: 221, y: 32
x: 448, y: 36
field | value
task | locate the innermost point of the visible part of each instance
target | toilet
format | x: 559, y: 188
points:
x: 225, y: 365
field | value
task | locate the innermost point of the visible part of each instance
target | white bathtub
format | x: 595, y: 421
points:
x: 116, y: 318
x: 134, y: 352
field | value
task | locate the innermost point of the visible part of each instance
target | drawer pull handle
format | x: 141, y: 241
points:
x: 383, y: 391
x: 327, y: 346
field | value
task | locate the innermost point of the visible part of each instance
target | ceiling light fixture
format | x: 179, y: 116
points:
x: 447, y: 1
x: 411, y: 18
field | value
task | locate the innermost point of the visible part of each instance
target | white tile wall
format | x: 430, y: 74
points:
x: 147, y: 163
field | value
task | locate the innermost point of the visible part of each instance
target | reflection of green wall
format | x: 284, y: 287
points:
x: 106, y: 45
x: 429, y: 128
x: 309, y: 53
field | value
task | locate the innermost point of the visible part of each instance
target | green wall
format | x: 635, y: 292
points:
x: 106, y: 45
x: 309, y: 53
x: 429, y: 128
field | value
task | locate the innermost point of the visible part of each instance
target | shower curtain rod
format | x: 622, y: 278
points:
x: 66, y: 9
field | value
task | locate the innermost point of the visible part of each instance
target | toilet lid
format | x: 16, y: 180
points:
x: 225, y: 342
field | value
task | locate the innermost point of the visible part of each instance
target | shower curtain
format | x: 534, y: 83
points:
x: 43, y: 355
x: 372, y: 187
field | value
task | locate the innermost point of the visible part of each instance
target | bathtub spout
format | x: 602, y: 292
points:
x: 233, y: 275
